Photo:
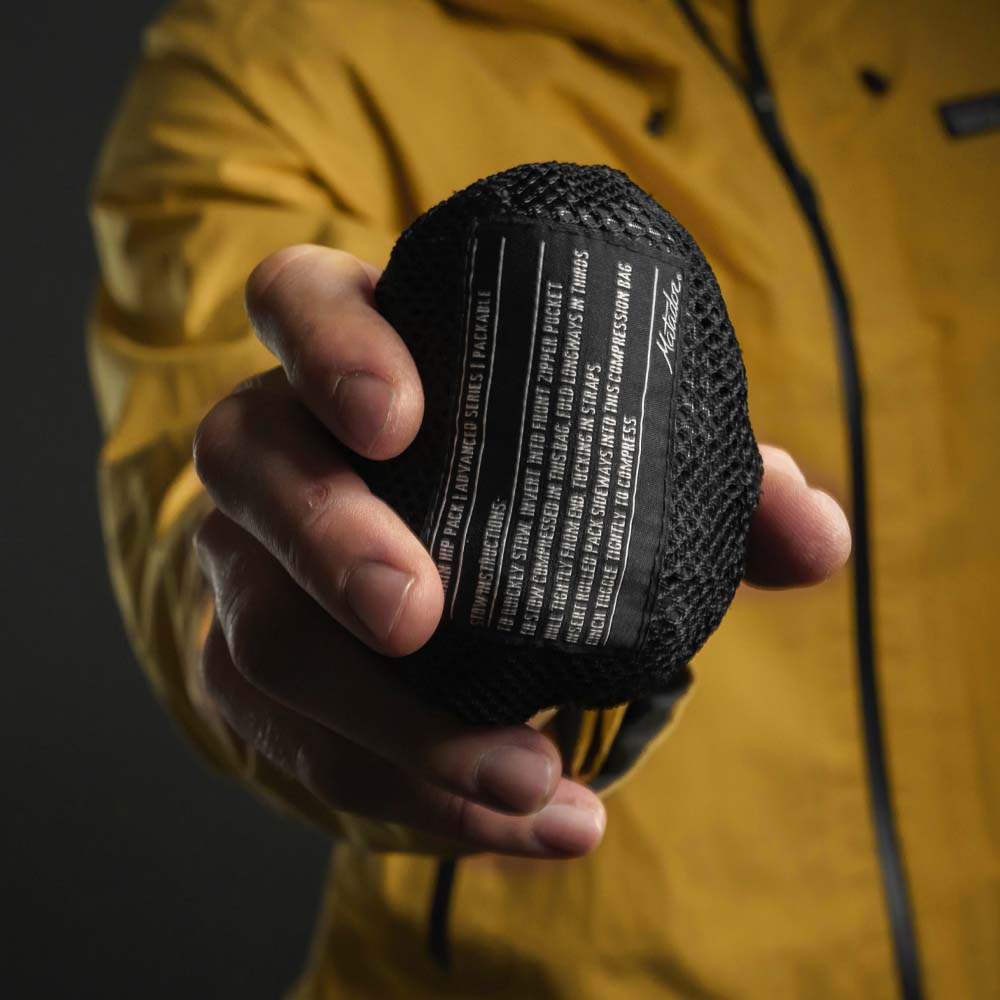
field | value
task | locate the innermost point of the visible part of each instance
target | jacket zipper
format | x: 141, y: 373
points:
x: 758, y: 92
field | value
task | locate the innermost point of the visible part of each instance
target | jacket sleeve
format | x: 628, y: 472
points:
x: 195, y: 184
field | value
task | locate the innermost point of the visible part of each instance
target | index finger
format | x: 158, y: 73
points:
x: 313, y: 307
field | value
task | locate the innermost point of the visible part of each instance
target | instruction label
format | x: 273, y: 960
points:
x: 550, y: 518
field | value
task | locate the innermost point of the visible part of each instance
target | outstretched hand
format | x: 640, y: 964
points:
x: 317, y: 582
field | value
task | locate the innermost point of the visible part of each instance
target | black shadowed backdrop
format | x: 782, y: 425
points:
x: 128, y: 869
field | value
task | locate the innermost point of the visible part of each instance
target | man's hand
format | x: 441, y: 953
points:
x: 317, y: 581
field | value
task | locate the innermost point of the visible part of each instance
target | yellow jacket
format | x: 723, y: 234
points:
x: 742, y: 856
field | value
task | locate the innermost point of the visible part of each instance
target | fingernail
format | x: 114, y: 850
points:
x: 376, y: 593
x: 514, y: 778
x: 363, y: 403
x: 566, y: 829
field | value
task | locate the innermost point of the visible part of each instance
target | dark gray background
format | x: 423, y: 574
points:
x: 128, y: 869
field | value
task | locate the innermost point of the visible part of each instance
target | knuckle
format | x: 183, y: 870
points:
x: 261, y: 381
x: 316, y: 769
x: 304, y: 766
x: 458, y: 817
x: 248, y: 645
x: 206, y: 535
x: 211, y: 664
x: 268, y: 736
x: 309, y: 771
x: 211, y: 439
x: 267, y: 280
x: 295, y: 354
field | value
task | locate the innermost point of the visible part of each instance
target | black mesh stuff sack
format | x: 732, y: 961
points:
x: 585, y: 473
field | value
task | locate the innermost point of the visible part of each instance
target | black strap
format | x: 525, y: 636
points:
x: 438, y: 943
